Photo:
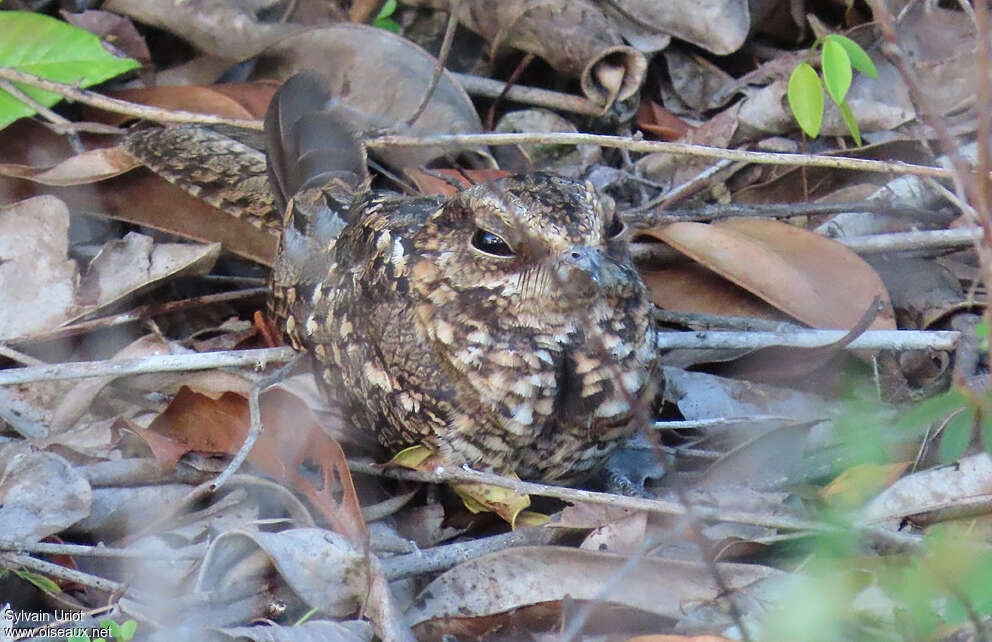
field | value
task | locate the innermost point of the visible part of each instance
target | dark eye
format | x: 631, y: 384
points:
x: 614, y: 228
x: 489, y: 243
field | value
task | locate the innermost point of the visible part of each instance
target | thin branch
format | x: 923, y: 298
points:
x: 144, y: 365
x: 444, y: 475
x: 635, y: 144
x: 440, y: 558
x: 100, y: 101
x: 489, y: 88
x: 871, y: 340
x: 442, y: 59
x: 194, y: 551
x: 956, y: 238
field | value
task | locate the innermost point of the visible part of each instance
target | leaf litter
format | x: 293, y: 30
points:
x: 736, y: 529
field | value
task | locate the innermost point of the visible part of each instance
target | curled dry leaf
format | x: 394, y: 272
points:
x: 225, y: 29
x: 812, y: 278
x: 922, y: 496
x: 573, y: 36
x: 568, y: 160
x: 517, y: 577
x: 719, y: 26
x: 292, y: 438
x: 320, y: 566
x: 40, y: 494
x: 37, y: 280
x: 377, y: 80
x: 135, y: 263
x: 87, y: 167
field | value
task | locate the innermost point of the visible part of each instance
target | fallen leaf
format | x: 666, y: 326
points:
x: 815, y: 279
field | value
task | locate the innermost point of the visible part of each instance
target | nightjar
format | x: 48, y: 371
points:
x: 505, y: 327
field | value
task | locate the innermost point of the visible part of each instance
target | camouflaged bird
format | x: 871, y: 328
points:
x: 505, y: 327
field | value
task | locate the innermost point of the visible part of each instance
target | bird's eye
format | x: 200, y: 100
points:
x: 614, y: 228
x: 487, y: 242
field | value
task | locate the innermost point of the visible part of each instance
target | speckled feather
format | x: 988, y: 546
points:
x: 538, y: 362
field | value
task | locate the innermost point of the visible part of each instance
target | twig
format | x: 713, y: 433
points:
x: 20, y: 357
x: 871, y: 340
x: 444, y: 475
x: 442, y: 59
x: 255, y: 422
x: 194, y: 551
x: 641, y: 217
x: 489, y: 88
x: 724, y: 322
x: 929, y: 240
x: 634, y: 144
x: 157, y: 363
x: 63, y: 573
x: 100, y: 101
x: 441, y: 558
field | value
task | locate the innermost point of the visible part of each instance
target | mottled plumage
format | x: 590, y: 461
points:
x: 504, y: 327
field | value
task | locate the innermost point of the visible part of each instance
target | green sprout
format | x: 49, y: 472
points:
x: 383, y: 20
x: 839, y: 55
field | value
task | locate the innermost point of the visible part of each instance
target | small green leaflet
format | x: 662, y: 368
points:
x: 805, y: 95
x: 383, y: 20
x: 858, y: 57
x: 48, y: 48
x: 837, y: 73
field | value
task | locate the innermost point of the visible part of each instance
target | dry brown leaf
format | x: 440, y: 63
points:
x: 663, y: 124
x: 517, y: 577
x: 37, y: 279
x: 815, y: 279
x: 235, y: 100
x: 693, y: 288
x: 430, y: 183
x: 87, y: 167
x: 292, y: 438
x: 145, y: 199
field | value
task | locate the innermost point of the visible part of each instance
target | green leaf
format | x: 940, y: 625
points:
x: 126, y: 631
x: 43, y: 46
x: 956, y: 437
x: 383, y: 21
x: 850, y: 121
x: 42, y: 582
x: 388, y: 9
x: 837, y: 72
x: 859, y: 57
x: 806, y: 98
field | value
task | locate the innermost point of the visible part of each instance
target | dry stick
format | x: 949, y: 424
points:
x: 440, y: 558
x: 442, y: 58
x: 705, y: 321
x: 635, y: 144
x: 158, y: 363
x: 473, y: 140
x: 103, y: 551
x: 900, y: 241
x: 871, y: 340
x: 930, y: 241
x: 489, y: 88
x: 63, y: 573
x: 461, y: 474
x: 642, y: 217
x: 99, y: 101
x: 255, y: 420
